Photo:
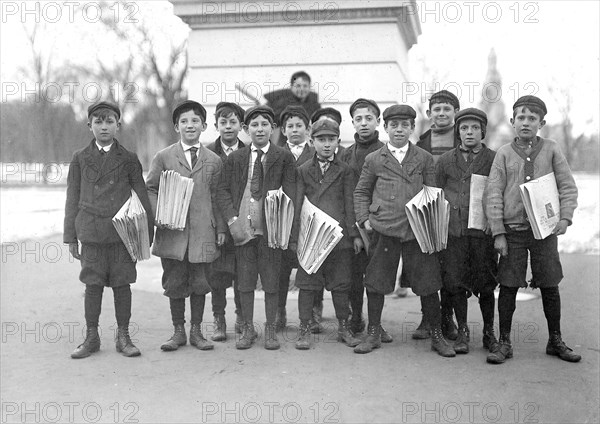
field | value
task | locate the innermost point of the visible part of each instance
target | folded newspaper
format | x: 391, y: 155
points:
x: 131, y: 223
x: 319, y: 234
x: 477, y: 218
x: 429, y: 214
x: 542, y: 204
x: 279, y: 214
x: 174, y: 196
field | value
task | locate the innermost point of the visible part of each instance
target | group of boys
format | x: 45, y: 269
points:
x: 363, y: 187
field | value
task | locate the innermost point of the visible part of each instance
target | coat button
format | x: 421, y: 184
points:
x: 528, y: 159
x: 111, y: 182
x: 252, y: 200
x: 455, y: 207
x: 393, y: 197
x: 528, y: 178
x: 96, y: 187
x: 249, y: 217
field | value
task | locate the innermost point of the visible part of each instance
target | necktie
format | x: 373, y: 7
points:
x: 470, y: 156
x: 257, y: 176
x: 324, y: 164
x: 193, y: 151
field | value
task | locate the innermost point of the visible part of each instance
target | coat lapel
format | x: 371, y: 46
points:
x: 330, y: 176
x: 202, y: 156
x: 272, y: 157
x: 180, y: 155
x: 391, y: 164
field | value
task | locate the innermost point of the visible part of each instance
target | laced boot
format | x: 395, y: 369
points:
x: 489, y: 338
x: 501, y: 351
x: 197, y: 339
x: 556, y: 347
x: 220, y: 333
x: 423, y: 331
x: 239, y: 323
x: 373, y: 340
x: 385, y: 336
x: 303, y: 342
x: 357, y: 323
x: 178, y: 339
x: 449, y: 329
x: 461, y: 345
x: 271, y: 342
x: 345, y: 335
x: 90, y: 345
x: 124, y: 344
x: 248, y: 336
x: 281, y: 318
x: 440, y: 344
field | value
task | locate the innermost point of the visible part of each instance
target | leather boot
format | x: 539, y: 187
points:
x: 281, y: 318
x: 271, y: 342
x: 489, y: 338
x: 440, y: 344
x: 501, y: 350
x: 124, y: 344
x: 315, y: 327
x: 220, y: 333
x: 239, y: 323
x: 556, y: 347
x: 461, y: 345
x: 357, y: 323
x: 373, y: 340
x: 423, y: 331
x: 303, y: 342
x: 248, y: 336
x: 449, y: 329
x: 178, y: 339
x: 198, y: 340
x: 90, y: 345
x: 345, y: 335
x: 385, y: 336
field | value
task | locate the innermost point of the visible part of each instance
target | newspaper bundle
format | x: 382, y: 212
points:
x: 174, y: 196
x: 131, y: 223
x: 542, y: 204
x: 319, y: 234
x: 279, y: 214
x: 477, y: 218
x: 429, y: 214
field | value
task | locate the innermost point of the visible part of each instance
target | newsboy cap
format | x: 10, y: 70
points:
x: 471, y: 113
x: 104, y: 105
x: 531, y: 101
x: 294, y: 110
x: 364, y: 103
x: 326, y: 111
x: 325, y: 127
x: 188, y: 104
x: 399, y: 112
x: 237, y: 109
x: 444, y: 96
x: 258, y: 110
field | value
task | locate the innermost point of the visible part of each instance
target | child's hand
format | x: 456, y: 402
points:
x: 501, y: 245
x: 221, y: 239
x: 367, y: 226
x: 561, y: 227
x: 358, y: 245
x: 74, y: 250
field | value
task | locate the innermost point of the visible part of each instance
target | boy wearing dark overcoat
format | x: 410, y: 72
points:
x: 469, y: 263
x: 186, y: 254
x: 247, y: 176
x: 390, y: 178
x: 101, y: 177
x: 528, y: 157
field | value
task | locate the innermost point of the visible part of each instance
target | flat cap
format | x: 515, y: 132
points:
x: 471, y: 113
x: 238, y: 110
x: 444, y: 96
x: 531, y: 101
x: 364, y: 103
x: 104, y: 105
x: 188, y: 104
x: 326, y: 111
x: 258, y: 110
x: 399, y: 112
x: 325, y: 127
x: 293, y: 110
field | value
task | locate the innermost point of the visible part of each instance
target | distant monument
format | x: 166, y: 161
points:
x: 350, y: 49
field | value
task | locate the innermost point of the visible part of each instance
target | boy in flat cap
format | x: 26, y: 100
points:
x: 390, y: 178
x: 186, y: 255
x: 247, y: 176
x: 329, y: 113
x: 295, y: 126
x: 327, y: 183
x: 101, y: 177
x: 469, y: 263
x: 528, y: 157
x: 229, y: 118
x: 438, y: 140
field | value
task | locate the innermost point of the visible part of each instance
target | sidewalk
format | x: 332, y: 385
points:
x: 42, y: 322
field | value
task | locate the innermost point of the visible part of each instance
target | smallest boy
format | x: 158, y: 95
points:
x: 328, y: 113
x: 528, y: 157
x: 328, y: 184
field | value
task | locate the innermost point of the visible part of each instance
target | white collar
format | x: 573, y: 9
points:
x: 225, y: 147
x: 187, y: 147
x: 296, y: 146
x: 402, y: 149
x: 105, y: 148
x: 264, y: 149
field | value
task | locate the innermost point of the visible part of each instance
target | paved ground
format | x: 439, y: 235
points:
x: 42, y: 321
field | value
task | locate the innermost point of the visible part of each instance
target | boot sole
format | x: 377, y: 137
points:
x: 219, y: 338
x: 207, y: 347
x: 564, y: 359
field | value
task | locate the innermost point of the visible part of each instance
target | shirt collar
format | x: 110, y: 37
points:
x: 402, y: 149
x: 296, y: 146
x: 264, y: 149
x: 187, y: 147
x: 105, y: 148
x: 226, y: 148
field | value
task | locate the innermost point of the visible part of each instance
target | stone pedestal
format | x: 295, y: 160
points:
x: 350, y: 49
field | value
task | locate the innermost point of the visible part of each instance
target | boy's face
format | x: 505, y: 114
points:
x: 189, y: 127
x: 295, y: 130
x: 104, y: 129
x: 526, y: 123
x: 442, y: 114
x: 365, y: 122
x: 259, y: 129
x: 399, y: 131
x: 470, y: 133
x: 325, y: 145
x: 301, y: 88
x: 229, y: 128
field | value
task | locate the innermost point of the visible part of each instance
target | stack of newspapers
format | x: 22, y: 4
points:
x: 477, y: 218
x: 542, y: 204
x: 131, y: 223
x: 428, y: 214
x: 174, y: 196
x: 279, y: 214
x: 319, y: 234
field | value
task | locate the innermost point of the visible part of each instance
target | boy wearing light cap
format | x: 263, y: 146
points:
x: 327, y: 183
x: 101, y: 177
x: 391, y: 177
x: 528, y: 157
x: 469, y: 263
